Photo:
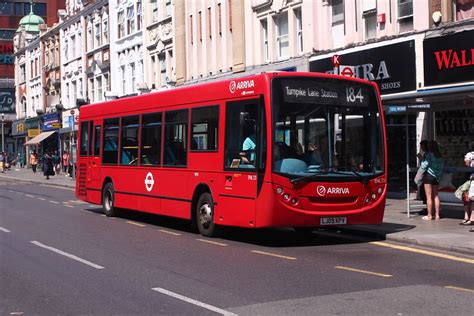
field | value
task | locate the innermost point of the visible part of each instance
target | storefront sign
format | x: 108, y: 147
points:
x: 18, y: 128
x: 32, y: 123
x: 392, y: 66
x: 449, y: 59
x: 7, y: 100
x: 33, y: 132
x: 6, y: 53
x: 50, y: 121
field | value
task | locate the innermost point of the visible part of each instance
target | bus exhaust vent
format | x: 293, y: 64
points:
x: 82, y: 180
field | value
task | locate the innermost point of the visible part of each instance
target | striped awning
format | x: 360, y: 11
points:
x: 38, y: 139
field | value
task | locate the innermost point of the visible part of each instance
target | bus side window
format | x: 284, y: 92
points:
x: 97, y: 141
x: 129, y: 141
x: 204, y: 128
x: 110, y: 141
x: 150, y: 151
x: 241, y: 135
x: 84, y: 138
x: 176, y: 131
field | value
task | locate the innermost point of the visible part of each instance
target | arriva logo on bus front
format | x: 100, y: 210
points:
x: 322, y: 190
x: 235, y: 86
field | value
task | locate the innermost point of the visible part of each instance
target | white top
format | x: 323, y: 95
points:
x: 470, y: 158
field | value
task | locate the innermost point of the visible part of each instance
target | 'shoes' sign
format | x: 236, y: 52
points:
x: 391, y: 66
x: 449, y: 59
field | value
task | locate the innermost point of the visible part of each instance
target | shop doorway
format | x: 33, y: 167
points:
x: 401, y: 143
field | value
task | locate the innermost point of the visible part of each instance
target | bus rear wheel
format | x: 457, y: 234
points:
x: 108, y: 195
x: 205, y: 216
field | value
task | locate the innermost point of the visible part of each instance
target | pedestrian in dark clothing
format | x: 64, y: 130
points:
x: 47, y: 165
x: 4, y: 161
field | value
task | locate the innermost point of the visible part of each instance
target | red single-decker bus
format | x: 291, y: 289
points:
x: 277, y: 149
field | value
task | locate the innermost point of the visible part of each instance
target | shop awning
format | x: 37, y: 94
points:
x: 38, y: 139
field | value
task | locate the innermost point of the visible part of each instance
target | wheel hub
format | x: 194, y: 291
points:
x: 205, y: 215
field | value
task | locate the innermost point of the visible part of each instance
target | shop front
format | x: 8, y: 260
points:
x: 19, y: 136
x: 392, y: 65
x: 68, y: 132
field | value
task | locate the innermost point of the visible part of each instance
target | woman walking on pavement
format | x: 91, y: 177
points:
x: 34, y: 160
x: 47, y: 165
x: 433, y: 171
x: 468, y: 203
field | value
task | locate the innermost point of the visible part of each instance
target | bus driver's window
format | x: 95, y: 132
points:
x: 241, y: 135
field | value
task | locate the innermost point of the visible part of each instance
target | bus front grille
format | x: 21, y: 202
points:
x: 82, y: 180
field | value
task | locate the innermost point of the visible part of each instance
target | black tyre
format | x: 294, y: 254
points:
x: 108, y: 199
x: 205, y: 216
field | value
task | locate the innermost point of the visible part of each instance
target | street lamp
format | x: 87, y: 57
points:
x: 3, y: 134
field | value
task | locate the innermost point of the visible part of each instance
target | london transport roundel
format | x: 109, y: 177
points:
x: 149, y: 182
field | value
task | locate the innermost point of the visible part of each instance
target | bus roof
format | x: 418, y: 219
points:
x: 248, y: 86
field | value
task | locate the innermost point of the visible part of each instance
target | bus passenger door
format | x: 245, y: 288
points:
x: 237, y: 199
x: 95, y: 159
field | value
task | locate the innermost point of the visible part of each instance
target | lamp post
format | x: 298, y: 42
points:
x: 3, y: 134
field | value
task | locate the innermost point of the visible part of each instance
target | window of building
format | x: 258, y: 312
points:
x: 6, y: 8
x: 110, y: 141
x: 282, y: 36
x: 98, y: 82
x: 162, y: 61
x: 129, y: 141
x: 18, y: 9
x: 124, y: 79
x: 175, y: 140
x: 40, y: 9
x: 106, y: 82
x: 97, y: 34
x: 191, y: 29
x: 464, y: 9
x: 139, y: 15
x: 133, y: 76
x: 121, y: 24
x: 205, y: 123
x: 370, y: 20
x: 168, y: 7
x: 7, y: 34
x: 200, y: 25
x: 405, y: 15
x: 105, y: 30
x: 22, y: 73
x: 153, y: 70
x: 337, y: 11
x: 130, y: 20
x: 89, y: 37
x: 154, y: 10
x: 299, y: 31
x: 91, y: 90
x: 72, y: 54
x: 265, y: 48
x: 150, y: 151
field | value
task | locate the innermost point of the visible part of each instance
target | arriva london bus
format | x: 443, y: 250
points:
x: 278, y: 149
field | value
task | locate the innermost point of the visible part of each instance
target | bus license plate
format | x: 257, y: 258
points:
x: 333, y: 220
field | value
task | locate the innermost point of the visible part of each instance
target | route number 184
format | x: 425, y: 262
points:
x: 352, y: 96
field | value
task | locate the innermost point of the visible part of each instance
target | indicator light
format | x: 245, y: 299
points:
x: 279, y: 190
x: 374, y: 196
x: 379, y: 190
x: 286, y: 197
x: 294, y: 201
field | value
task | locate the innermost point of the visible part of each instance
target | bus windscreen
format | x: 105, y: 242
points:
x: 326, y: 128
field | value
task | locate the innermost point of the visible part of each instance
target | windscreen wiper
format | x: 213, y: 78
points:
x: 361, y: 178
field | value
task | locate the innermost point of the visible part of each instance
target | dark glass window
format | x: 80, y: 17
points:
x: 129, y: 141
x: 97, y: 141
x: 18, y: 9
x: 205, y: 123
x: 5, y: 8
x: 40, y: 9
x: 151, y: 140
x: 241, y: 135
x: 110, y: 141
x: 84, y: 138
x: 7, y: 35
x: 91, y: 143
x: 176, y: 129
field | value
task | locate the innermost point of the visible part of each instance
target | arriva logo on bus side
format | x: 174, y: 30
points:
x: 235, y: 86
x: 322, y: 190
x: 149, y: 182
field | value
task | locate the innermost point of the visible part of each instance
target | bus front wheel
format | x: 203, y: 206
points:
x: 205, y: 216
x: 108, y: 200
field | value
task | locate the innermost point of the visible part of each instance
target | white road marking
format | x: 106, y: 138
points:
x: 169, y: 232
x: 364, y: 271
x: 67, y: 205
x: 273, y: 255
x: 28, y: 195
x: 459, y: 288
x: 55, y: 202
x: 136, y: 224
x: 41, y: 199
x: 58, y: 187
x: 70, y: 256
x: 4, y: 230
x: 192, y: 301
x: 212, y: 242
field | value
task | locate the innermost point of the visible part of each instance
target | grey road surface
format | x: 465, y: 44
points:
x: 59, y: 255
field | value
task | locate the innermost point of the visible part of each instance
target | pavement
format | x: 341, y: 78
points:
x: 445, y: 234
